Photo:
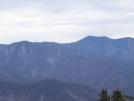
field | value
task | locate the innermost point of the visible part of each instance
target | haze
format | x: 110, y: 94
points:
x: 64, y: 20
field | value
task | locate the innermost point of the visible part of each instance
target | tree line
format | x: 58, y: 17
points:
x: 116, y: 96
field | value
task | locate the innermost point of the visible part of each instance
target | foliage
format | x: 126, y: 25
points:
x: 104, y: 95
x: 129, y: 97
x: 117, y: 95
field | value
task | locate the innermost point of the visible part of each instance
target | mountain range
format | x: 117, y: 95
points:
x: 99, y: 62
x: 46, y: 90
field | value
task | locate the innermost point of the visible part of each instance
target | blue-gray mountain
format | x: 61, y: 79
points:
x: 117, y: 49
x: 100, y: 62
x: 46, y: 90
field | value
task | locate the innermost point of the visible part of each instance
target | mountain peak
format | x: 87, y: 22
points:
x: 126, y: 38
x: 22, y: 42
x: 94, y: 39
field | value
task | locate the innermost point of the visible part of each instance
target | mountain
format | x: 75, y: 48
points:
x: 122, y: 49
x: 26, y: 58
x: 95, y: 61
x: 46, y: 90
x: 106, y: 63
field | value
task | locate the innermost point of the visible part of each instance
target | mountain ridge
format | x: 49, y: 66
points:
x: 84, y: 62
x: 46, y: 90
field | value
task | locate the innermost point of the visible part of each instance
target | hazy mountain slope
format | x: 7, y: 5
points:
x: 6, y: 74
x: 68, y: 63
x: 46, y: 90
x: 29, y: 60
x: 98, y: 74
x: 118, y: 49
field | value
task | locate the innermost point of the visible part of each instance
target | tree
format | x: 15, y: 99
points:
x: 104, y: 95
x: 117, y: 95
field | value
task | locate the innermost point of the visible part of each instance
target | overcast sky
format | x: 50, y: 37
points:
x: 64, y: 21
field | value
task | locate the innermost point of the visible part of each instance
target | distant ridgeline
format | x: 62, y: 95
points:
x: 99, y: 62
x: 46, y: 90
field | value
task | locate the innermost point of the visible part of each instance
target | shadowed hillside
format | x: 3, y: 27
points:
x: 95, y: 61
x: 46, y: 90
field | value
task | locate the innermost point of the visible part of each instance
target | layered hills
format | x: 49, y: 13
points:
x: 46, y: 90
x: 99, y: 62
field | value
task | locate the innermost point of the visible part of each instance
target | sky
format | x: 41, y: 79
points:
x: 64, y: 21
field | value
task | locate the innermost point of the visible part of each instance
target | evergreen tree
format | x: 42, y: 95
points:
x: 104, y: 95
x: 117, y: 95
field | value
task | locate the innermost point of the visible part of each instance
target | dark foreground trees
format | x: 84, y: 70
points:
x: 104, y: 95
x: 117, y: 95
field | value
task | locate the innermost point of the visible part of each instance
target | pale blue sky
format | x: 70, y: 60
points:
x: 64, y: 20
